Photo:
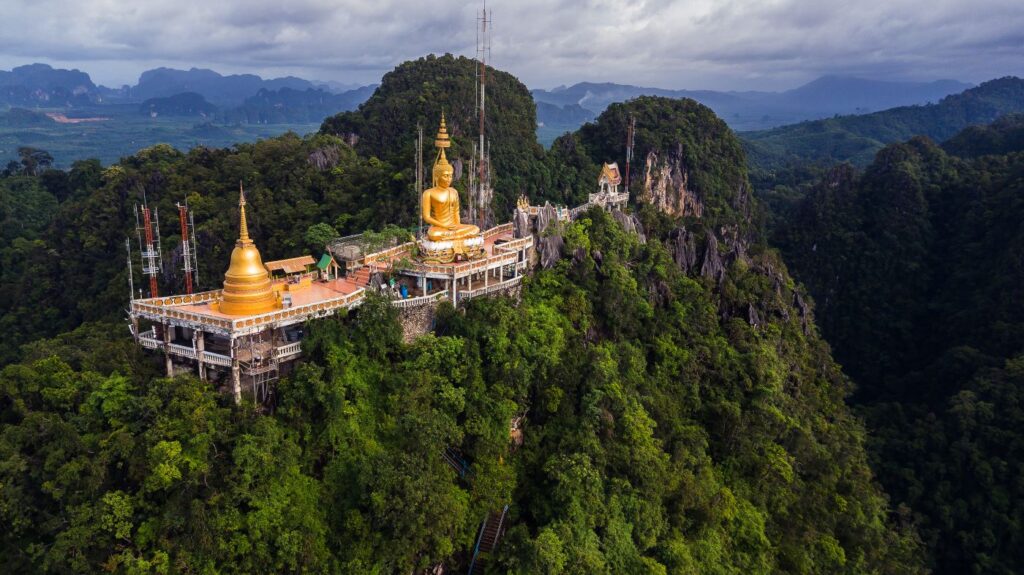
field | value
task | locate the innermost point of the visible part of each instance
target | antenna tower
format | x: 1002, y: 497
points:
x: 188, y: 247
x: 419, y: 176
x: 483, y: 53
x: 148, y: 230
x: 630, y: 130
x: 131, y: 279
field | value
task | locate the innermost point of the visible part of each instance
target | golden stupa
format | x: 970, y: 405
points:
x: 247, y: 289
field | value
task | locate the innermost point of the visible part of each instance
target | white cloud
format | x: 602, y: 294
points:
x: 682, y: 44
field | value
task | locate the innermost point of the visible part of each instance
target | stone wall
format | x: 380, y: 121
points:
x: 417, y: 320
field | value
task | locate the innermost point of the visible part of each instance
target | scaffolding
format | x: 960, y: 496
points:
x: 259, y: 361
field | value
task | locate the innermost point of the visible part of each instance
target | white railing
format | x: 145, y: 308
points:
x: 148, y: 339
x: 183, y: 350
x: 469, y: 294
x: 421, y: 300
x: 289, y: 349
x: 301, y: 312
x: 216, y: 359
x: 514, y: 245
x: 390, y: 253
x: 505, y: 228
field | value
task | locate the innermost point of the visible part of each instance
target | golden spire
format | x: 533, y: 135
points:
x: 442, y: 140
x: 247, y: 287
x: 243, y: 234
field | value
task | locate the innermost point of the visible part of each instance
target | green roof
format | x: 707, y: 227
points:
x: 325, y: 260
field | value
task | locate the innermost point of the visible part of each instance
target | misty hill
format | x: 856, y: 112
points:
x: 858, y: 138
x: 220, y: 90
x: 753, y: 110
x: 288, y: 105
x: 185, y: 104
x: 1004, y: 136
x: 42, y: 85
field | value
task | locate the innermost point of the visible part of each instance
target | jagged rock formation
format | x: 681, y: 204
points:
x: 684, y: 249
x: 521, y: 224
x: 630, y: 223
x: 666, y: 184
x: 549, y: 237
x: 713, y: 266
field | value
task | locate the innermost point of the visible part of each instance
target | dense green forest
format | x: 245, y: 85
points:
x: 916, y: 265
x: 661, y: 437
x: 681, y: 412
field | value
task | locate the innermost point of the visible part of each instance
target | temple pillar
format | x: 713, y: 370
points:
x: 455, y: 292
x: 236, y: 374
x: 167, y: 349
x: 200, y: 348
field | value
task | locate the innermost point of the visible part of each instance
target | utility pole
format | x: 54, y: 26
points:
x: 419, y: 177
x: 630, y: 130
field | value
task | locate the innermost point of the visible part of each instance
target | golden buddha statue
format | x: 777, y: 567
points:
x: 440, y: 204
x: 247, y: 287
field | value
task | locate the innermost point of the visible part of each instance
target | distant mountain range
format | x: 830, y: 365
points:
x: 566, y: 108
x: 170, y: 91
x: 856, y: 138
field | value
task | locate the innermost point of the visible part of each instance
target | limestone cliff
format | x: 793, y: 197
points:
x: 666, y: 184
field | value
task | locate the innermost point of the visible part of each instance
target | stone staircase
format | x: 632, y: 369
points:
x: 361, y: 276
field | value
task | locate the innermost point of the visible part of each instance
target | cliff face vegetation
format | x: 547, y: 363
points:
x: 916, y: 266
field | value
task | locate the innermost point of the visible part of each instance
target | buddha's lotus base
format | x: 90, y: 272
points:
x: 448, y: 251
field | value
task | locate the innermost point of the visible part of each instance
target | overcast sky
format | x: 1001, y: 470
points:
x: 714, y: 44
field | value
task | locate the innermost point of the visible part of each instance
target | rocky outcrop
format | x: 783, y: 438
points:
x: 684, y: 249
x: 804, y: 309
x: 324, y: 158
x: 713, y: 266
x: 549, y: 237
x: 630, y: 223
x: 521, y: 223
x: 667, y: 184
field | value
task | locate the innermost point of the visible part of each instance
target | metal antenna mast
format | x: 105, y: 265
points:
x: 630, y: 130
x: 419, y: 176
x: 149, y: 229
x: 131, y: 280
x: 483, y: 52
x: 188, y: 247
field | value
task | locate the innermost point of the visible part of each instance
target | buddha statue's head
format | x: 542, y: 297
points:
x: 442, y: 169
x: 442, y: 172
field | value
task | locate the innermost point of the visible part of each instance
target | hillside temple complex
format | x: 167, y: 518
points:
x: 249, y: 333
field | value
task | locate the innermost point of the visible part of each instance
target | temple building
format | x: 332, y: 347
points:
x: 250, y: 332
x: 608, y: 195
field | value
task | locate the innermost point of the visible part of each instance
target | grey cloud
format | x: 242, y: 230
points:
x: 693, y: 44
